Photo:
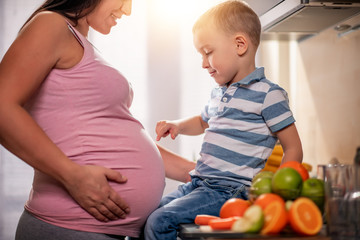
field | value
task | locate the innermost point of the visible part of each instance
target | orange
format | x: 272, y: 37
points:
x: 286, y: 182
x: 298, y: 167
x: 275, y: 217
x: 305, y: 217
x: 266, y: 198
x: 234, y: 207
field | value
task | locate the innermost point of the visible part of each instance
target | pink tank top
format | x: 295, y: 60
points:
x: 85, y: 111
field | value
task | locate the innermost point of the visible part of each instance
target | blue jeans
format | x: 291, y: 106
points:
x: 193, y: 198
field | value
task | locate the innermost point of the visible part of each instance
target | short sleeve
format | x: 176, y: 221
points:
x: 276, y: 110
x: 205, y: 114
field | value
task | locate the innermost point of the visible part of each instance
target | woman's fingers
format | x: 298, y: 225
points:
x: 107, y: 210
x: 110, y: 211
x: 96, y: 214
x: 92, y: 191
x: 117, y: 205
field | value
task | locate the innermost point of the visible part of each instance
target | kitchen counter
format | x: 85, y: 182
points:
x: 192, y: 232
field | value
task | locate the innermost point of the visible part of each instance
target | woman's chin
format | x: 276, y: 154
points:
x: 104, y: 31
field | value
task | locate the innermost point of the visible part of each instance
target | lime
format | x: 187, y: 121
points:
x: 286, y: 182
x: 263, y: 174
x: 260, y: 186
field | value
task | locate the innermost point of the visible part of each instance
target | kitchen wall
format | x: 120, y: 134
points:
x: 327, y: 96
x: 322, y: 76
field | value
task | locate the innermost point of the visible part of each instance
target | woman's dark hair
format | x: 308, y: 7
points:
x: 71, y: 9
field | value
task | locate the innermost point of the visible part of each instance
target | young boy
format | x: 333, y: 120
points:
x: 244, y: 118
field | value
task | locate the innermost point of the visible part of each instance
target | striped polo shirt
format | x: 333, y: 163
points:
x: 242, y: 121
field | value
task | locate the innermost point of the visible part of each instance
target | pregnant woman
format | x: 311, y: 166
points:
x: 65, y: 112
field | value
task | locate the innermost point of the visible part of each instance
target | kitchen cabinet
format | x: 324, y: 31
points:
x: 301, y: 19
x: 261, y: 7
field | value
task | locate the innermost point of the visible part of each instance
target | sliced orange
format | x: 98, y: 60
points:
x: 305, y: 217
x: 275, y: 217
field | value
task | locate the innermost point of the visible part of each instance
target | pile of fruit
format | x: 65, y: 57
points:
x: 286, y: 199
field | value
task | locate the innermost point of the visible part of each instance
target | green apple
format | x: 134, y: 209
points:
x: 251, y: 222
x: 313, y: 188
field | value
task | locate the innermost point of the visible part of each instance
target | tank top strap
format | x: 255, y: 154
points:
x: 74, y: 32
x: 80, y: 38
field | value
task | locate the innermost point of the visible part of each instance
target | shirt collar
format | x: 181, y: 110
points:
x: 256, y: 75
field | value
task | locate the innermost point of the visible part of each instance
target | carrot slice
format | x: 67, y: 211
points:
x: 203, y: 219
x: 222, y: 223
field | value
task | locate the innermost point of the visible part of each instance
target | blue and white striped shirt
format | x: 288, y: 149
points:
x: 242, y: 121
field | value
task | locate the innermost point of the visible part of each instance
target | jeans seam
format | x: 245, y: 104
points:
x: 215, y: 187
x: 235, y: 191
x: 239, y: 191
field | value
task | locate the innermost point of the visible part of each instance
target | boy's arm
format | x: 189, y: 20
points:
x: 176, y: 167
x: 291, y: 144
x: 192, y: 126
x: 188, y: 126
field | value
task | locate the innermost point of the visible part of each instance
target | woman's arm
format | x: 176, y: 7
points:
x: 291, y: 144
x: 43, y: 44
x: 176, y: 167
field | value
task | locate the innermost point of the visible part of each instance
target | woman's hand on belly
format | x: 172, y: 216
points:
x: 89, y: 187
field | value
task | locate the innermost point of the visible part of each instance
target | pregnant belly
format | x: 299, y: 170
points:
x: 138, y: 160
x: 142, y: 165
x: 144, y: 187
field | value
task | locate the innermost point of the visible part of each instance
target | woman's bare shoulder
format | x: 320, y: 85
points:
x: 49, y: 25
x: 46, y: 32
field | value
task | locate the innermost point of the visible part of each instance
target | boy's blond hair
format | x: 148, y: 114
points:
x: 233, y: 16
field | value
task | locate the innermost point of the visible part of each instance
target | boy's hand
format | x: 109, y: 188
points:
x: 164, y: 128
